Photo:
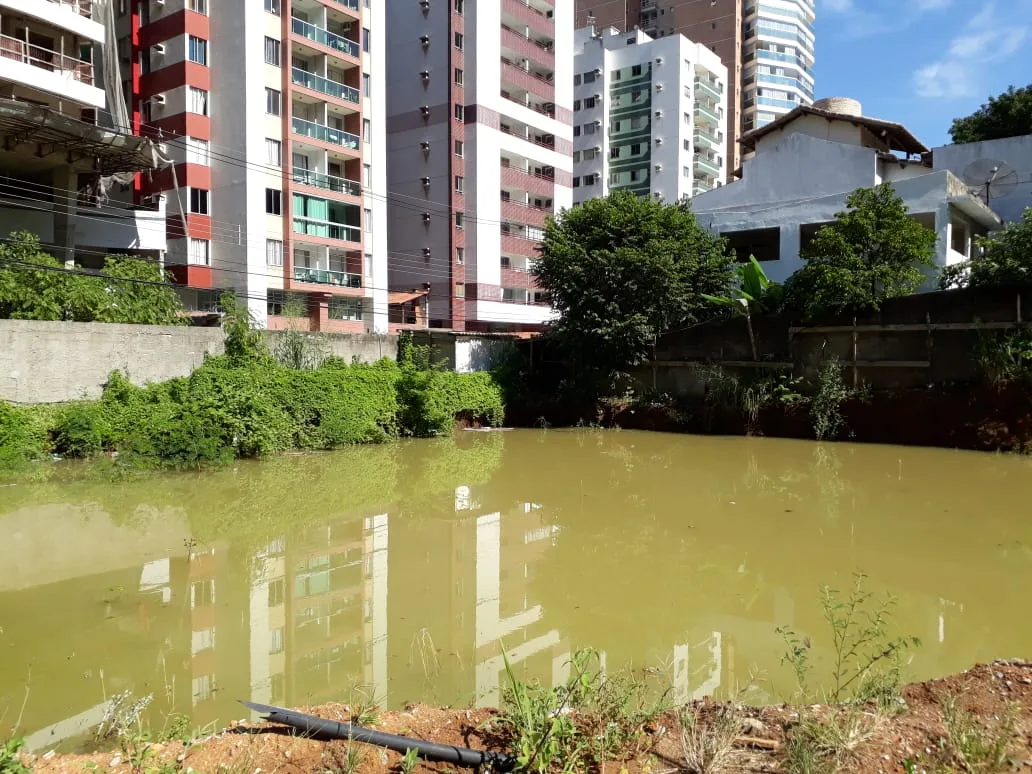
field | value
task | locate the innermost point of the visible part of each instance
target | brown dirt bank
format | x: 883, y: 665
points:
x: 915, y: 739
x: 979, y: 418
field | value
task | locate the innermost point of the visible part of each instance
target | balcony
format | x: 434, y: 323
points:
x: 324, y: 85
x: 783, y: 104
x: 707, y: 140
x: 706, y: 165
x: 328, y: 182
x: 700, y: 188
x: 351, y: 5
x: 45, y: 59
x: 81, y: 7
x: 324, y: 37
x: 326, y: 229
x: 325, y: 134
x: 528, y: 47
x: 709, y: 87
x: 524, y: 213
x: 340, y: 279
x: 528, y: 136
x: 525, y: 13
x: 707, y: 114
x: 528, y: 81
x: 525, y: 180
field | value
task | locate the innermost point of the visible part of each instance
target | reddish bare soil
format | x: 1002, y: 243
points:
x: 916, y: 734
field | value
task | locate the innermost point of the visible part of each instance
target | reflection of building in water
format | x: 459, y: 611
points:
x: 696, y: 669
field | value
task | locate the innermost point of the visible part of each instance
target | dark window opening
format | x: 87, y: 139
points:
x: 764, y: 243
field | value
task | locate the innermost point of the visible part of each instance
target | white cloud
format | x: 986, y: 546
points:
x: 986, y: 39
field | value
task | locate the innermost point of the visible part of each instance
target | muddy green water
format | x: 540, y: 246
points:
x: 397, y: 570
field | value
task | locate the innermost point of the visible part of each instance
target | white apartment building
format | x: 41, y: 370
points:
x: 802, y: 168
x: 480, y: 131
x: 649, y: 115
x: 777, y: 59
x: 275, y: 114
x: 64, y: 139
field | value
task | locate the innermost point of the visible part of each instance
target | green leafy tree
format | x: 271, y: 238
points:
x: 36, y: 286
x: 621, y: 270
x: 872, y: 251
x: 751, y: 294
x: 1008, y: 115
x: 1006, y: 260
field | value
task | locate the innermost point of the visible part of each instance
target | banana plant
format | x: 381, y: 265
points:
x: 751, y: 289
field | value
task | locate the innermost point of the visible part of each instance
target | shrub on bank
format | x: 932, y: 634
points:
x: 232, y: 408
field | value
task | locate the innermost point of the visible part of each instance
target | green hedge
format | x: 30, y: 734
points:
x: 225, y: 410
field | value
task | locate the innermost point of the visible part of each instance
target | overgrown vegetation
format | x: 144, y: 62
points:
x: 826, y: 407
x: 1005, y: 262
x: 36, y: 286
x: 10, y: 762
x: 752, y: 293
x: 590, y: 718
x: 1007, y: 115
x: 246, y: 404
x: 972, y: 747
x: 1006, y: 358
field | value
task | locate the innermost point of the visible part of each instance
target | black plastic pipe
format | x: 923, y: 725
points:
x: 431, y: 751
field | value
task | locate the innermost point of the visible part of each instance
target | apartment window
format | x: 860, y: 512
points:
x: 588, y: 180
x: 460, y: 183
x: 199, y: 6
x: 272, y: 51
x: 367, y: 175
x: 199, y: 201
x: 764, y: 243
x: 589, y: 77
x: 459, y: 76
x: 686, y: 171
x: 576, y: 182
x: 576, y: 157
x: 197, y: 152
x: 273, y: 6
x: 589, y: 128
x: 367, y: 130
x: 277, y: 587
x: 203, y: 639
x: 198, y: 252
x: 635, y: 175
x: 273, y: 252
x: 687, y: 145
x: 273, y: 201
x: 273, y: 152
x: 687, y: 119
x: 276, y: 641
x: 636, y: 149
x: 459, y: 220
x: 272, y: 102
x: 589, y: 103
x: 460, y: 290
x: 460, y: 148
x: 614, y: 75
x: 576, y: 104
x: 365, y: 39
x: 345, y: 308
x: 614, y: 152
x: 460, y: 255
x: 458, y: 40
x: 577, y: 80
x: 367, y: 85
x: 198, y: 102
x: 460, y: 113
x: 635, y: 70
x: 198, y: 50
x: 460, y: 6
x: 367, y: 218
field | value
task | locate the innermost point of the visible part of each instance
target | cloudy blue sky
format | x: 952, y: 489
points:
x: 922, y: 62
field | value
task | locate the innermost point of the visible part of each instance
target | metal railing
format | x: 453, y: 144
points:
x: 341, y: 279
x: 528, y: 137
x: 45, y: 59
x: 325, y: 133
x: 327, y: 229
x: 329, y: 182
x: 712, y: 88
x: 705, y: 112
x: 349, y: 4
x: 81, y: 7
x: 708, y: 139
x: 707, y: 165
x: 324, y: 85
x: 324, y: 37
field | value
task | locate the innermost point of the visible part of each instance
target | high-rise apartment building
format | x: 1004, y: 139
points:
x: 766, y: 45
x: 649, y: 115
x: 65, y: 142
x: 480, y: 131
x: 274, y: 113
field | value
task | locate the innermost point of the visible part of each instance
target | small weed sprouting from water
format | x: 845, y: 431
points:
x: 708, y: 748
x: 10, y: 757
x: 866, y: 662
x: 583, y: 722
x: 973, y: 748
x: 409, y: 761
x: 826, y: 408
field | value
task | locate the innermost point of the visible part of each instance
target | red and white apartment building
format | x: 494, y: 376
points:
x: 274, y: 113
x: 480, y: 135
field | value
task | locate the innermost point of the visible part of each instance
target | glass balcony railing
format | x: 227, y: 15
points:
x: 709, y: 87
x: 327, y: 229
x: 699, y: 188
x: 324, y: 37
x: 709, y: 166
x: 329, y: 182
x: 325, y: 133
x: 349, y: 4
x: 341, y: 279
x: 324, y: 85
x: 706, y: 113
x: 785, y: 104
x: 707, y: 139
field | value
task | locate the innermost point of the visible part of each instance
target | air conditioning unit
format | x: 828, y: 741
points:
x: 659, y: 60
x: 659, y: 114
x: 659, y: 167
x: 158, y: 99
x: 426, y: 218
x: 158, y: 48
x: 425, y: 75
x: 426, y: 182
x: 659, y: 87
x: 159, y: 2
x: 659, y: 141
x: 506, y: 260
x: 598, y: 95
x: 598, y: 149
x: 424, y: 40
x: 425, y: 5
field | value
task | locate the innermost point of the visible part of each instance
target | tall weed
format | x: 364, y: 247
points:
x: 826, y: 408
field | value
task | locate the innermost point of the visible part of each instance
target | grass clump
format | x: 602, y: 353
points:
x: 819, y: 746
x: 973, y: 748
x: 709, y: 747
x: 1003, y: 359
x: 10, y: 757
x: 577, y: 725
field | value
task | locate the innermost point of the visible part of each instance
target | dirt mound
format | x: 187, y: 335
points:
x: 941, y: 726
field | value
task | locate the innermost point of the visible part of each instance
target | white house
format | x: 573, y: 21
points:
x: 649, y: 115
x: 800, y: 169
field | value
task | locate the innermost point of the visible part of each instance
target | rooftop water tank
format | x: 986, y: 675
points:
x: 845, y: 106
